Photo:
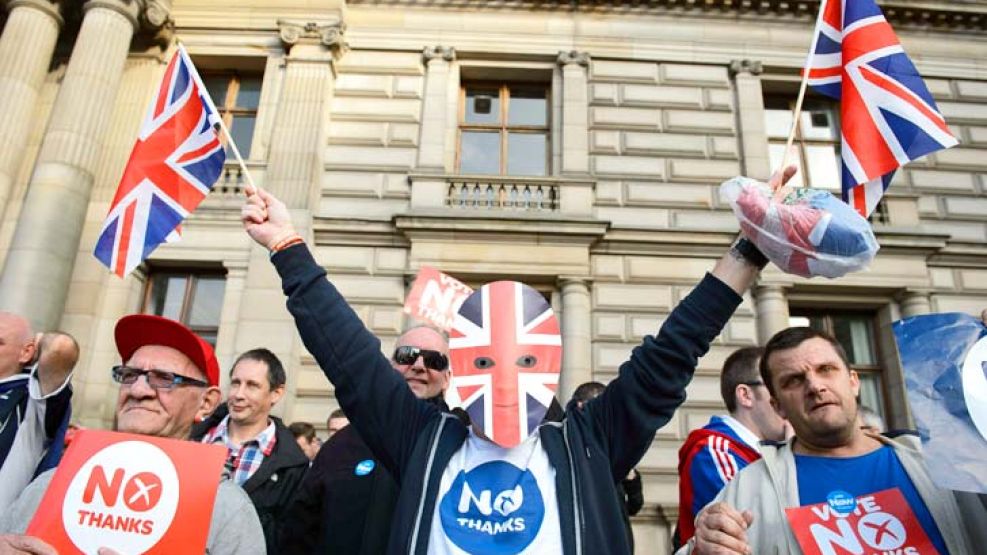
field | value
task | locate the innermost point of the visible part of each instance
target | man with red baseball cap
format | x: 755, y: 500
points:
x: 168, y: 380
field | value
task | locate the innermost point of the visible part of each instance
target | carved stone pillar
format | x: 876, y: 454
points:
x: 431, y: 142
x: 914, y: 303
x: 575, y: 112
x: 39, y: 263
x: 772, y: 311
x: 26, y: 48
x: 577, y: 337
x: 754, y: 156
x: 299, y: 139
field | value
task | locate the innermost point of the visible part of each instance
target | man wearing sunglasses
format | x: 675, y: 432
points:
x: 168, y: 380
x: 347, y: 499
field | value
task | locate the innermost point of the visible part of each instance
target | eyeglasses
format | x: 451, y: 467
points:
x: 434, y: 360
x: 158, y: 379
x: 753, y: 384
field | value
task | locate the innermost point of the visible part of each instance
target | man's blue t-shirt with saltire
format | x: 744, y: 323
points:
x: 879, y: 470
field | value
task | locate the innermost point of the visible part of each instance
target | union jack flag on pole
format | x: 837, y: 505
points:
x: 888, y: 116
x: 173, y: 166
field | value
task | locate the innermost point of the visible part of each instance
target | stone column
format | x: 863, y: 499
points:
x: 575, y: 112
x: 750, y: 119
x: 431, y: 142
x: 294, y: 169
x: 26, y: 47
x: 36, y: 276
x: 772, y: 311
x: 577, y: 336
x: 914, y: 303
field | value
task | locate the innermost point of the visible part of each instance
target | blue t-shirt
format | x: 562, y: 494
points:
x: 859, y: 476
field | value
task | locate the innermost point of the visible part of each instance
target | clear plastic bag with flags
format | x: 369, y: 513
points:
x: 806, y: 232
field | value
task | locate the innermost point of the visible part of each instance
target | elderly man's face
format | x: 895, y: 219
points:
x: 16, y: 344
x: 424, y: 382
x: 142, y: 409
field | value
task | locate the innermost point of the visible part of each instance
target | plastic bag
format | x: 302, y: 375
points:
x: 944, y: 359
x: 806, y: 232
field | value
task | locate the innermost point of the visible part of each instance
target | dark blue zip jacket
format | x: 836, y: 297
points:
x: 591, y: 449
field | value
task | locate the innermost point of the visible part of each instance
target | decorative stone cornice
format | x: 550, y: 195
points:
x: 130, y: 9
x: 52, y: 8
x: 446, y: 53
x: 573, y: 57
x: 157, y: 15
x: 326, y: 34
x: 752, y: 67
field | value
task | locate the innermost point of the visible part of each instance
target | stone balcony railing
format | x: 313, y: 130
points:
x: 227, y: 192
x: 502, y: 194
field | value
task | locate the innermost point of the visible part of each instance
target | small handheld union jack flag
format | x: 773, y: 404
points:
x: 173, y: 166
x: 888, y: 116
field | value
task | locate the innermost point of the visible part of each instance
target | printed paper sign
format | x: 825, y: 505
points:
x: 130, y: 493
x: 435, y: 298
x: 877, y: 524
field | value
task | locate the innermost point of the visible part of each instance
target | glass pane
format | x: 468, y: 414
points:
x: 482, y: 105
x: 824, y: 168
x: 242, y: 131
x: 528, y: 107
x: 207, y: 302
x: 167, y: 296
x: 249, y: 94
x: 480, y: 152
x: 778, y: 123
x: 870, y: 393
x: 526, y: 153
x: 818, y: 124
x: 217, y: 86
x: 854, y: 333
x: 776, y: 151
x: 209, y: 335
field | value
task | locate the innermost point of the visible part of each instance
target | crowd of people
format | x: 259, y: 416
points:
x: 403, y: 472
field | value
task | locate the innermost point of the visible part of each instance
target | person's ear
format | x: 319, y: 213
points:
x: 210, y: 400
x: 744, y: 395
x: 277, y: 394
x: 855, y: 383
x: 30, y: 350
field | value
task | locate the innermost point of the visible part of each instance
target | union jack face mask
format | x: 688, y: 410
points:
x: 506, y: 353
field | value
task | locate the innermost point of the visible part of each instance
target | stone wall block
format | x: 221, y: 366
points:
x: 652, y: 95
x: 955, y: 112
x: 648, y: 218
x: 709, y: 76
x: 632, y: 297
x: 965, y: 157
x: 623, y: 72
x: 666, y: 193
x: 966, y: 206
x: 940, y: 88
x: 624, y: 118
x: 971, y: 90
x: 630, y: 165
x: 603, y: 94
x: 700, y: 122
x: 708, y: 221
x: 358, y: 84
x: 607, y: 142
x: 931, y: 179
x: 664, y: 143
x: 702, y: 170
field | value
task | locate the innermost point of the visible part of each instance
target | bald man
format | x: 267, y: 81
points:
x: 34, y: 401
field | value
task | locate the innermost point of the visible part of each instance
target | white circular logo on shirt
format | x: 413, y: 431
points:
x: 882, y: 531
x: 975, y: 385
x: 124, y: 507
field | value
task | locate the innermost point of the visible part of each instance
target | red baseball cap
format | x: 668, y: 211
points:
x: 137, y: 330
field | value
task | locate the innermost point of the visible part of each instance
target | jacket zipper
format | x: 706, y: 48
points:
x: 576, y: 508
x: 428, y: 474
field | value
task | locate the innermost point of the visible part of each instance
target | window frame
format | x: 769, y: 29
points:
x: 799, y: 141
x: 503, y: 127
x: 192, y: 276
x: 229, y: 111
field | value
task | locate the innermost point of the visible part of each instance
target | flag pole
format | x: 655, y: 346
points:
x: 250, y: 187
x: 802, y: 88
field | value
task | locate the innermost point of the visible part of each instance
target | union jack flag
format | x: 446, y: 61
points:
x: 506, y: 353
x: 174, y: 164
x: 888, y: 116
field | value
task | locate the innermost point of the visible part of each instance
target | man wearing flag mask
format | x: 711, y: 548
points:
x: 510, y: 483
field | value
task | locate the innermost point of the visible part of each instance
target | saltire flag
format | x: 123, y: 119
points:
x: 173, y: 166
x: 506, y: 353
x: 888, y: 117
x: 944, y: 359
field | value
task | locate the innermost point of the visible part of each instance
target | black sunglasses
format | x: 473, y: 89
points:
x: 434, y: 360
x: 158, y: 379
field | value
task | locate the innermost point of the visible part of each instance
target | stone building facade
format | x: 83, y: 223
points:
x: 576, y: 146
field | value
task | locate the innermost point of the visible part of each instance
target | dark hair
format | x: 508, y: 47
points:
x: 275, y: 370
x: 587, y: 391
x: 739, y: 368
x: 791, y: 338
x: 302, y: 429
x: 338, y: 413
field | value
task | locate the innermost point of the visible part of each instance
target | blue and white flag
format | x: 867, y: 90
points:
x: 944, y: 357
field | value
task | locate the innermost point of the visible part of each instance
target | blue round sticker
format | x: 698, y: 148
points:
x: 364, y: 467
x: 841, y: 502
x: 494, y: 509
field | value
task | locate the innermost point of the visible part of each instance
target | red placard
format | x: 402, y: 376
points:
x: 130, y: 493
x: 874, y: 524
x: 435, y: 298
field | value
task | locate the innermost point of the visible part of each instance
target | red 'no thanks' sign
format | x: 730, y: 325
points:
x: 130, y: 493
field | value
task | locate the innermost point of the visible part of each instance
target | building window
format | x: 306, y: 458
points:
x: 192, y: 298
x: 236, y: 96
x: 855, y: 331
x: 504, y: 129
x: 817, y: 140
